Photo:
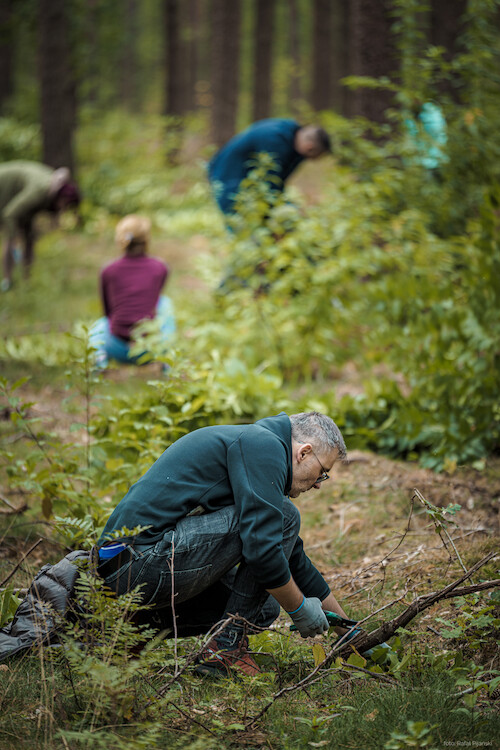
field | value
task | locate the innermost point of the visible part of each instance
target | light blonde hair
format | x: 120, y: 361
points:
x: 132, y: 234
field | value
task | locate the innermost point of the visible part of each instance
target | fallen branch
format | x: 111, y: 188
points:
x: 365, y: 641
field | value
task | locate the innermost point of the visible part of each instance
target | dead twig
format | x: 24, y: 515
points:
x: 13, y: 510
x: 23, y: 558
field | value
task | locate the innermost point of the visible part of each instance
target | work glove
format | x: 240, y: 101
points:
x: 310, y: 618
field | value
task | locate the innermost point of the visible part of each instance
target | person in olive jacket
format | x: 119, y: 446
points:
x: 26, y: 189
x: 216, y: 533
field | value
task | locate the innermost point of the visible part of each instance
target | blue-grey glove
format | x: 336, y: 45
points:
x: 310, y: 618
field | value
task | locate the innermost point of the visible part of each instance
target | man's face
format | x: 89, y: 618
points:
x: 308, y: 465
x: 311, y: 149
x: 306, y: 143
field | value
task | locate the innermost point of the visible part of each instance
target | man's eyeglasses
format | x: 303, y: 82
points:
x: 325, y: 475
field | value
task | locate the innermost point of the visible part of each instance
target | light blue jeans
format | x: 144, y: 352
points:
x: 196, y: 562
x: 109, y: 347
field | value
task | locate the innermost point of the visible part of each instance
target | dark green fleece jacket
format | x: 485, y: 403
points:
x: 249, y: 466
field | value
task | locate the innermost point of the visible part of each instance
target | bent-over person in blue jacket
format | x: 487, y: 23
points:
x: 223, y: 534
x: 287, y: 142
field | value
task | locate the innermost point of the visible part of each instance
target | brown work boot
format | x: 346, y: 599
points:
x: 219, y: 660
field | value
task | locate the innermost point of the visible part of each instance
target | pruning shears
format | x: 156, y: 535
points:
x: 336, y: 620
x: 342, y: 622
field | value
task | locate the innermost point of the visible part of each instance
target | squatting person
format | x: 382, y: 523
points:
x: 222, y: 534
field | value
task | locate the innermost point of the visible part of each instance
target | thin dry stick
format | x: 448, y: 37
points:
x: 425, y: 503
x: 389, y: 554
x: 190, y: 718
x: 23, y: 558
x: 172, y: 605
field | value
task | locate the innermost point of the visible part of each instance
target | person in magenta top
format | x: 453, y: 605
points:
x: 131, y: 292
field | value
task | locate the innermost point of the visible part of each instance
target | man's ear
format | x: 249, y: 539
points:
x: 303, y: 450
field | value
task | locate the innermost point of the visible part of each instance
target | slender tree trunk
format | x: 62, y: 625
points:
x: 263, y: 49
x: 373, y: 54
x: 226, y: 23
x: 6, y: 53
x: 57, y: 85
x: 295, y: 88
x: 175, y: 86
x: 128, y: 70
x: 193, y: 52
x: 321, y: 88
x: 445, y: 29
x: 341, y: 56
x: 91, y: 39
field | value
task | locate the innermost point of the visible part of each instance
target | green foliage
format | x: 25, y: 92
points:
x: 418, y: 734
x: 9, y: 603
x: 19, y: 141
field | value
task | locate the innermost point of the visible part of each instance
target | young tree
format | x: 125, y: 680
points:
x: 263, y: 48
x: 373, y: 54
x: 57, y: 84
x: 6, y: 52
x: 225, y: 29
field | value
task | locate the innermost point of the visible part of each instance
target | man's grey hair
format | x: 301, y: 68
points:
x: 318, y: 429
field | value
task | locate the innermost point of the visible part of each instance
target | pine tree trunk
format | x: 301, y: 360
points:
x: 226, y: 27
x: 373, y: 54
x: 57, y: 86
x: 128, y: 71
x: 263, y: 49
x: 321, y: 88
x: 445, y: 29
x: 175, y: 86
x: 6, y: 53
x: 341, y: 54
x: 295, y: 87
x: 193, y: 50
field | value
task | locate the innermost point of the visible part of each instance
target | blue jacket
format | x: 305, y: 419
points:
x: 233, y: 162
x: 249, y: 466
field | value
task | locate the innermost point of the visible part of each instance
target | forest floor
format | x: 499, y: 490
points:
x: 349, y: 527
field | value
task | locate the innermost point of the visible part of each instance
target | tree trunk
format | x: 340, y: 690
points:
x: 193, y: 52
x: 322, y: 38
x: 295, y: 87
x: 128, y: 69
x: 57, y: 85
x: 6, y: 53
x: 175, y: 86
x: 226, y: 23
x: 445, y: 29
x: 263, y: 49
x: 373, y: 54
x: 341, y: 53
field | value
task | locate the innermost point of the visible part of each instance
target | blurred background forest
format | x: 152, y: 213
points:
x: 385, y: 274
x: 380, y: 307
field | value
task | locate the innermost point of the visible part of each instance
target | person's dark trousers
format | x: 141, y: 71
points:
x: 198, y: 561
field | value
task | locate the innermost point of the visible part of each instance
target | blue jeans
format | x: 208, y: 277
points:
x: 197, y: 562
x: 109, y: 347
